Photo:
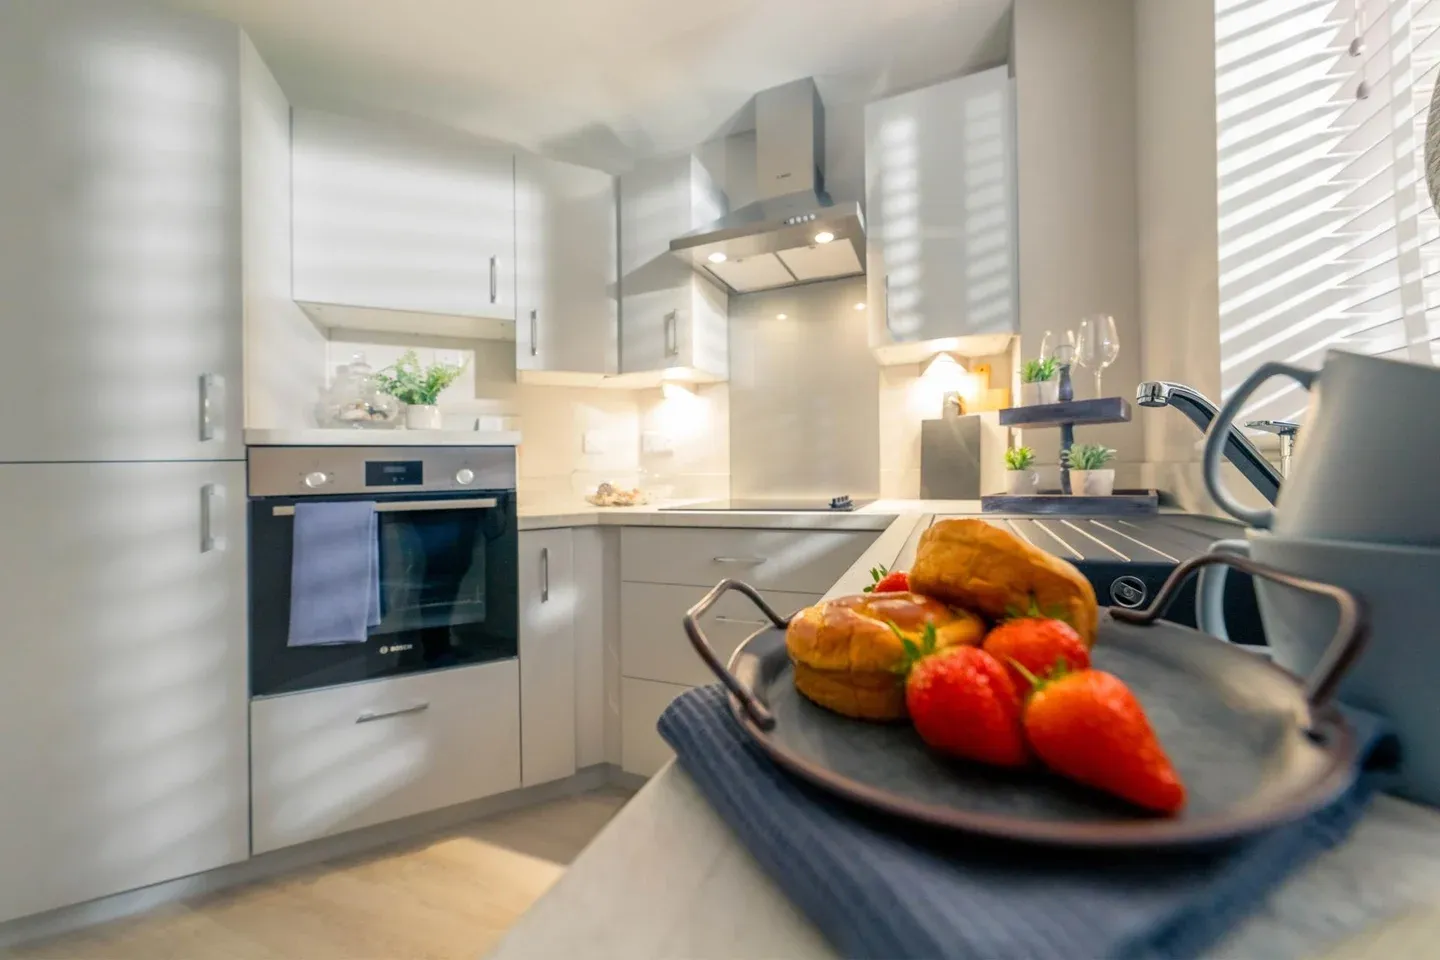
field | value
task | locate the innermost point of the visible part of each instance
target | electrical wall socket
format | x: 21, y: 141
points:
x: 654, y: 441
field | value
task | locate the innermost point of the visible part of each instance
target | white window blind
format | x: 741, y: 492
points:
x: 1327, y: 234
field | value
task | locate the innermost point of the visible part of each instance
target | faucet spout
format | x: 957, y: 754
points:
x: 1200, y: 411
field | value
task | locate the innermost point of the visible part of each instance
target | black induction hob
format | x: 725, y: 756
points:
x: 762, y: 505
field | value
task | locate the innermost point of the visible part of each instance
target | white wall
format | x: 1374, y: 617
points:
x: 284, y: 352
x: 1178, y: 218
x: 1075, y: 85
x: 804, y: 416
x: 572, y: 438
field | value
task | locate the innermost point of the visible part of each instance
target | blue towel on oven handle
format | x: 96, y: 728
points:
x: 334, y: 573
x: 877, y: 889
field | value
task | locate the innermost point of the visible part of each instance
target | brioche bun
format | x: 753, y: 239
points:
x: 972, y: 564
x: 846, y: 655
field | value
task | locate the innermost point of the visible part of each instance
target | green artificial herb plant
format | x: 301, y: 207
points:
x: 1089, y: 456
x: 1039, y: 371
x: 414, y: 385
x: 1020, y: 458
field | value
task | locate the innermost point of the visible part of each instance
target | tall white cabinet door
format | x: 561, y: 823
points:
x: 940, y: 204
x: 123, y: 697
x: 566, y: 256
x: 120, y: 258
x: 397, y: 217
x: 547, y: 655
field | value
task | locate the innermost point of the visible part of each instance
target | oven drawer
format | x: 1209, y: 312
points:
x: 342, y: 758
x: 653, y: 645
x: 798, y: 561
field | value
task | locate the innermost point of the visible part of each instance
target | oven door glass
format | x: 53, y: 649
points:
x: 448, y: 592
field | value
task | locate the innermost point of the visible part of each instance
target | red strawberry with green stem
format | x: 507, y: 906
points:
x: 1039, y: 645
x: 1089, y: 727
x: 887, y: 582
x: 963, y: 702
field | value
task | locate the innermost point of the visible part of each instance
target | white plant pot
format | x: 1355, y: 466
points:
x: 422, y: 417
x: 1021, y: 483
x: 1092, y: 483
x: 1041, y: 391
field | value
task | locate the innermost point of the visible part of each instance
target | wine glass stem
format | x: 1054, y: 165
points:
x: 1098, y: 371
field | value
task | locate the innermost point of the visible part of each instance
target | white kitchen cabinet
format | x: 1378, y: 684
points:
x: 548, y: 596
x: 643, y: 751
x: 120, y: 278
x: 400, y: 216
x: 666, y: 571
x: 672, y: 320
x: 940, y: 206
x: 565, y: 244
x: 327, y: 761
x: 123, y: 697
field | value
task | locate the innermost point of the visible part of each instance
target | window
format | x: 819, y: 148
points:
x: 1327, y: 233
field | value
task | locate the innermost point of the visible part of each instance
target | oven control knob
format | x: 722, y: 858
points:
x: 464, y: 476
x: 316, y: 479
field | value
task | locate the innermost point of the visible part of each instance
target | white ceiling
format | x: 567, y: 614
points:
x: 606, y: 82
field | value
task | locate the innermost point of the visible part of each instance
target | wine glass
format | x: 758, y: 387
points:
x: 1098, y: 345
x: 1047, y: 343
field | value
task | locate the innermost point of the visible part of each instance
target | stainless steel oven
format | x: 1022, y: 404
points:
x: 445, y: 524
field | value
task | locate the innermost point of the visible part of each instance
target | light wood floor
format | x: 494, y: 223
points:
x: 451, y: 894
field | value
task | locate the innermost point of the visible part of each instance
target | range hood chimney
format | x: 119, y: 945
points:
x: 793, y: 233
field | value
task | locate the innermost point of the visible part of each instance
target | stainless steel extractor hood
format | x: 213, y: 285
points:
x: 793, y: 233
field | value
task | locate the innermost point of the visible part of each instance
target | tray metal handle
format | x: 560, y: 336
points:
x: 756, y: 710
x: 1352, y: 632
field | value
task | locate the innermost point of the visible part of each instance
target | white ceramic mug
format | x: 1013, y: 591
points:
x: 1396, y: 674
x: 1367, y: 461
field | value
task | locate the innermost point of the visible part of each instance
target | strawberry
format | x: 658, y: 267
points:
x: 963, y: 702
x: 1089, y: 727
x: 1039, y: 644
x: 888, y: 582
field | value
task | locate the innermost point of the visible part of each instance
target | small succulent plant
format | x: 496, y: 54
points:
x: 1039, y: 371
x: 1019, y: 458
x: 1089, y: 456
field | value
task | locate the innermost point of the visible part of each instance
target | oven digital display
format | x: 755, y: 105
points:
x: 394, y: 473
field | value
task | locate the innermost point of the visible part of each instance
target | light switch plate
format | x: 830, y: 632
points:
x: 654, y: 441
x: 593, y: 441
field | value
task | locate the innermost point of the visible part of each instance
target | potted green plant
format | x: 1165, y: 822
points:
x: 1039, y: 381
x: 419, y: 388
x: 1020, y: 476
x: 1089, y: 477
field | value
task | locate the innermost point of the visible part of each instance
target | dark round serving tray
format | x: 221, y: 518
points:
x: 1256, y: 746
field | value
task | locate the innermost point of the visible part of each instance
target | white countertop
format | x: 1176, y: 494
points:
x: 873, y: 516
x: 319, y: 437
x: 666, y: 878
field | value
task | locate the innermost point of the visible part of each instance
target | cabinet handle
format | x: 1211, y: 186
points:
x: 534, y: 332
x: 212, y: 509
x: 544, y: 574
x: 748, y: 623
x: 371, y: 715
x: 888, y: 328
x: 748, y: 561
x: 494, y: 280
x: 672, y: 334
x: 212, y: 405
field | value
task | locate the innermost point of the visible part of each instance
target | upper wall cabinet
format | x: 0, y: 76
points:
x: 390, y: 216
x: 120, y: 264
x: 672, y: 320
x: 940, y: 203
x: 565, y: 243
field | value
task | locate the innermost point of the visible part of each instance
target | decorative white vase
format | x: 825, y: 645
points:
x: 1092, y: 483
x: 1039, y: 392
x: 1021, y: 483
x: 422, y: 417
